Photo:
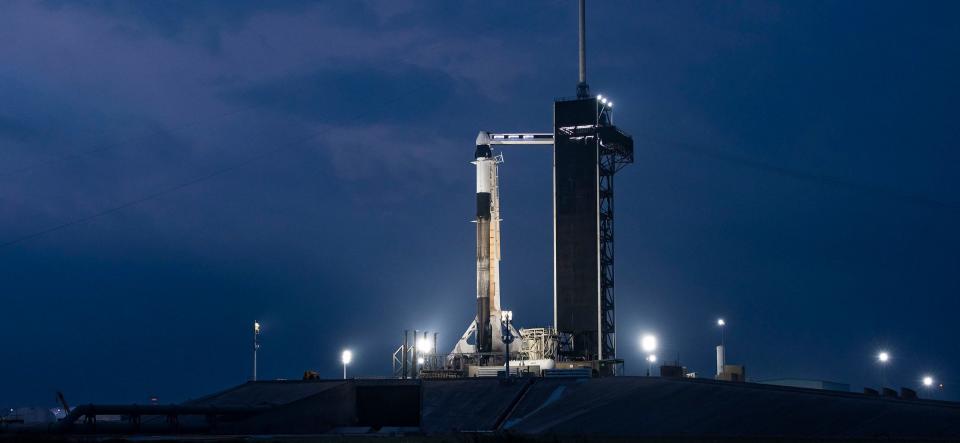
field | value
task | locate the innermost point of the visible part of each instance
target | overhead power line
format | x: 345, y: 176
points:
x: 689, y: 148
x: 103, y: 147
x: 815, y: 177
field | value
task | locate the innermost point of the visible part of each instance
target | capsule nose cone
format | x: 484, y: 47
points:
x: 483, y: 138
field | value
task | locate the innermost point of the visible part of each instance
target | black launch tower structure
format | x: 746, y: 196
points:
x: 588, y: 151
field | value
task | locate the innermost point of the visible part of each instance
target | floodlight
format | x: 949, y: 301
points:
x: 423, y: 345
x: 648, y: 343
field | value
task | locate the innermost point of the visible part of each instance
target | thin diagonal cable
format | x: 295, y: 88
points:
x: 816, y: 177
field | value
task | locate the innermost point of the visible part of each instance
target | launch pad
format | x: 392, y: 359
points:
x: 587, y: 151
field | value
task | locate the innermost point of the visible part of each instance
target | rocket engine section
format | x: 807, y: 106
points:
x: 488, y: 247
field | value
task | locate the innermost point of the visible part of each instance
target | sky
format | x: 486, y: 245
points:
x: 172, y: 171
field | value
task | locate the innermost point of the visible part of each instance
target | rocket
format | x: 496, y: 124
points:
x: 488, y: 245
x: 486, y: 329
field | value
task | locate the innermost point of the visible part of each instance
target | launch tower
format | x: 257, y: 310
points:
x: 588, y: 150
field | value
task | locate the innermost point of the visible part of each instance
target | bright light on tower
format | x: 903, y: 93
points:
x: 599, y: 97
x: 423, y: 345
x: 256, y: 327
x: 720, y: 322
x: 652, y: 358
x: 420, y: 360
x: 883, y: 357
x: 609, y: 104
x: 648, y: 343
x: 604, y: 101
x: 927, y: 381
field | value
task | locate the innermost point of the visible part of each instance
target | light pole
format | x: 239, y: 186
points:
x: 928, y: 383
x: 722, y: 349
x: 883, y: 357
x: 507, y: 337
x: 649, y: 344
x: 346, y: 357
x: 424, y: 346
x: 423, y: 349
x: 413, y: 356
x: 256, y: 346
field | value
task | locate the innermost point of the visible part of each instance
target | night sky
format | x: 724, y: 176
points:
x: 171, y: 171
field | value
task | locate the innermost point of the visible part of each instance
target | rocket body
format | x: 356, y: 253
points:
x: 488, y: 248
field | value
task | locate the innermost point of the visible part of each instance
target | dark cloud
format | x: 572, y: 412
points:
x: 191, y: 22
x: 337, y: 96
x: 15, y: 130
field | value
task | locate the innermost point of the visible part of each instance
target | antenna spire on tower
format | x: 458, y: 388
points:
x: 583, y: 90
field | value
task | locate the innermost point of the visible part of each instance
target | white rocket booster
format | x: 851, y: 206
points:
x: 488, y: 247
x: 486, y: 327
